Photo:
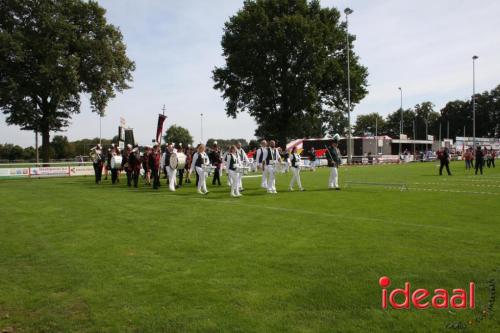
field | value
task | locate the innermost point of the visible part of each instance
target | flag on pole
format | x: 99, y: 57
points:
x: 159, y: 128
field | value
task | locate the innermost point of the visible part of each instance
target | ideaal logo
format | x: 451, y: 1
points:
x: 422, y: 298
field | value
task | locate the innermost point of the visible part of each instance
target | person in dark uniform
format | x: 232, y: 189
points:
x: 333, y: 159
x: 107, y: 165
x: 216, y: 161
x: 189, y: 159
x: 154, y: 164
x: 98, y: 162
x: 370, y: 158
x: 479, y: 160
x: 125, y: 158
x: 444, y: 159
x: 134, y: 165
x: 312, y: 159
x: 145, y: 165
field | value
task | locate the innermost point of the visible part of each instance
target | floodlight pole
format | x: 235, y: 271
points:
x: 201, y: 123
x: 474, y: 58
x: 401, y: 122
x: 426, y: 133
x: 414, y: 137
x: 100, y: 129
x: 36, y: 147
x: 347, y: 12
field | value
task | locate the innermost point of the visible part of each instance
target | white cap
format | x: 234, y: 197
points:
x: 129, y: 146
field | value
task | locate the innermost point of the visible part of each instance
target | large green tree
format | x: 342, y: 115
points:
x: 426, y: 121
x: 286, y: 65
x: 335, y: 122
x: 177, y: 134
x: 369, y: 124
x: 62, y: 148
x: 52, y: 52
x: 393, y: 121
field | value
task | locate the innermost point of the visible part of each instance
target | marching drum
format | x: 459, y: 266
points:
x: 177, y: 161
x: 116, y: 161
x: 242, y: 169
x: 279, y: 167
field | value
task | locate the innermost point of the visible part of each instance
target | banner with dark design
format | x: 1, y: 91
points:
x: 159, y: 127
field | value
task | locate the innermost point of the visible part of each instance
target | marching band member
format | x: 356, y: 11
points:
x: 294, y: 161
x: 260, y: 158
x: 200, y: 160
x: 115, y: 167
x: 134, y: 165
x: 243, y: 161
x: 165, y: 158
x: 216, y: 161
x: 125, y: 158
x: 180, y: 172
x: 107, y: 164
x: 187, y: 168
x: 97, y: 161
x: 154, y: 164
x: 333, y: 158
x: 145, y: 165
x: 272, y: 159
x: 170, y: 172
x: 232, y: 160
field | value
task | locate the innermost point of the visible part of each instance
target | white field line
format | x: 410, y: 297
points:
x: 449, y: 183
x: 450, y: 191
x: 477, y: 179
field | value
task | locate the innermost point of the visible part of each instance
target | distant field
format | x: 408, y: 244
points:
x: 75, y: 256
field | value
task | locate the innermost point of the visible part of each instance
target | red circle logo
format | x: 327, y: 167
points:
x: 384, y: 282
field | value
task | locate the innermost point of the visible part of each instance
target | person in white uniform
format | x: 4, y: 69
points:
x: 243, y: 161
x: 260, y: 158
x: 232, y: 162
x: 295, y: 162
x: 200, y: 162
x: 272, y: 159
x: 171, y: 172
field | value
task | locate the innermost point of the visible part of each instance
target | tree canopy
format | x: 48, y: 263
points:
x: 177, y: 134
x: 52, y: 52
x: 286, y: 65
x: 365, y: 124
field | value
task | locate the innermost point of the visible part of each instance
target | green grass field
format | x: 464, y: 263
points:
x: 79, y: 257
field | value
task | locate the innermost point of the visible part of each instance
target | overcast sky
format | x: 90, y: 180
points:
x: 423, y: 46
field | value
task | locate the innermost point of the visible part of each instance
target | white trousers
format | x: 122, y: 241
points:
x: 264, y: 179
x: 271, y: 183
x: 202, y: 183
x: 235, y: 179
x: 295, y: 177
x: 334, y: 178
x: 171, y: 173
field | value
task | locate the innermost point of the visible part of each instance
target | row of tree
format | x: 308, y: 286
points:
x: 285, y: 64
x: 60, y: 148
x: 455, y: 119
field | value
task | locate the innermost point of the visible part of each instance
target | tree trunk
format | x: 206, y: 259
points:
x: 46, y: 145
